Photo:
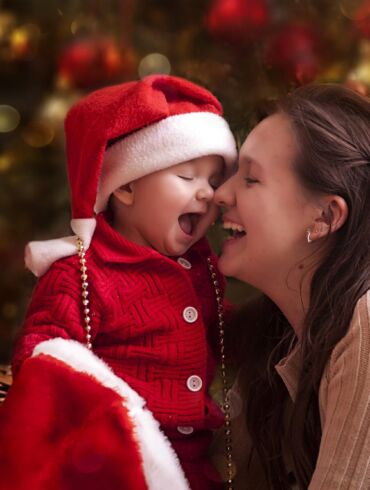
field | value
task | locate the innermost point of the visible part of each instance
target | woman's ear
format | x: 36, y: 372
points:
x: 125, y: 194
x: 333, y: 215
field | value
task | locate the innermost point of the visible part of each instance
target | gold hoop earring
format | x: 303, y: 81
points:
x: 308, y: 236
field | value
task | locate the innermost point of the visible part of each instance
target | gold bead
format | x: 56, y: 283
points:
x: 226, y: 402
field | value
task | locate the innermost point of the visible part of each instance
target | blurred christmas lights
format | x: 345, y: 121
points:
x: 38, y: 135
x: 154, y: 63
x: 9, y: 118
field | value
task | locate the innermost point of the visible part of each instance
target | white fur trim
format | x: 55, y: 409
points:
x: 161, y: 466
x: 84, y: 228
x: 163, y: 144
x: 38, y: 256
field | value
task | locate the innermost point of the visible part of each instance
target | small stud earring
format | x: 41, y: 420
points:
x: 308, y: 236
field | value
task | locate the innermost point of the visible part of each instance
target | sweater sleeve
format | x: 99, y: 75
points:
x: 55, y: 310
x: 344, y: 456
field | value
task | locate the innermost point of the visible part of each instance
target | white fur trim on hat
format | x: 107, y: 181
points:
x: 38, y: 256
x: 161, y: 466
x: 84, y: 229
x: 168, y: 142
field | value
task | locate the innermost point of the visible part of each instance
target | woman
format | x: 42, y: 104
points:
x: 298, y: 208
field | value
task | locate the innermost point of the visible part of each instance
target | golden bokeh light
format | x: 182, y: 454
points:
x: 154, y: 63
x: 9, y: 118
x: 38, y: 134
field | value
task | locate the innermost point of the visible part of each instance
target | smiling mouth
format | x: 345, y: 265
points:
x: 188, y: 222
x: 235, y: 231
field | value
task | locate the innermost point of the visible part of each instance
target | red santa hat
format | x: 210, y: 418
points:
x: 121, y: 133
x: 68, y: 422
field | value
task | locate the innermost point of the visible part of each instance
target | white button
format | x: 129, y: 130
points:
x: 185, y: 263
x: 194, y: 383
x: 190, y: 314
x: 183, y: 429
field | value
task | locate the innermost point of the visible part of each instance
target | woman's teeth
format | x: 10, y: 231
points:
x: 236, y: 230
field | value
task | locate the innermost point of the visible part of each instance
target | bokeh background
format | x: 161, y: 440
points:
x: 52, y: 52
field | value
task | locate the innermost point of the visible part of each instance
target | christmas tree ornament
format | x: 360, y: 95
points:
x: 93, y: 61
x: 238, y: 21
x: 362, y: 19
x: 24, y: 41
x: 296, y: 51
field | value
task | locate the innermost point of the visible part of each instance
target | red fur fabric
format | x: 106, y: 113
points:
x: 62, y: 430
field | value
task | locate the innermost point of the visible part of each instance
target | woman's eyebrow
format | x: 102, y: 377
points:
x: 249, y: 161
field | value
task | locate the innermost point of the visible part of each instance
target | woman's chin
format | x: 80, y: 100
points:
x: 225, y: 265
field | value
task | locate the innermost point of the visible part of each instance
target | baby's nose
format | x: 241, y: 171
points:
x: 205, y: 193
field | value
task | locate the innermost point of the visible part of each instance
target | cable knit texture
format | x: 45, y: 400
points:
x: 137, y: 299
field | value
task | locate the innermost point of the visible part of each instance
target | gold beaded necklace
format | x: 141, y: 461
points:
x: 221, y: 332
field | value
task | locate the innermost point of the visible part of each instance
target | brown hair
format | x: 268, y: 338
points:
x: 331, y: 124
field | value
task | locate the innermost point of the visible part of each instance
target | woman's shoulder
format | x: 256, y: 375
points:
x: 354, y: 347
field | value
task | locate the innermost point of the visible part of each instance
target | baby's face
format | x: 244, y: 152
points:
x: 172, y: 209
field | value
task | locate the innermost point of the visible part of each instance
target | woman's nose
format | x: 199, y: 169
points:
x: 224, y: 196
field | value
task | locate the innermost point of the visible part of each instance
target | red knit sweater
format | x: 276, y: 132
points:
x: 150, y: 317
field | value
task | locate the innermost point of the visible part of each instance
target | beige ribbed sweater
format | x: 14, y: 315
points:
x: 344, y: 402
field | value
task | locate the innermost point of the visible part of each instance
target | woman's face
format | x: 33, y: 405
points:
x: 265, y: 199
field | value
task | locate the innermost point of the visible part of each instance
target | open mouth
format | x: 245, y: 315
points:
x: 235, y: 231
x: 188, y: 222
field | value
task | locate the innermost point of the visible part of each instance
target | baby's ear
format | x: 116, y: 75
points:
x: 125, y: 194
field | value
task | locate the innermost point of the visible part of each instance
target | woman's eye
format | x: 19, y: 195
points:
x: 250, y: 180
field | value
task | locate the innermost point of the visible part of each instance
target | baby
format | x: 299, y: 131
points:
x: 138, y: 286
